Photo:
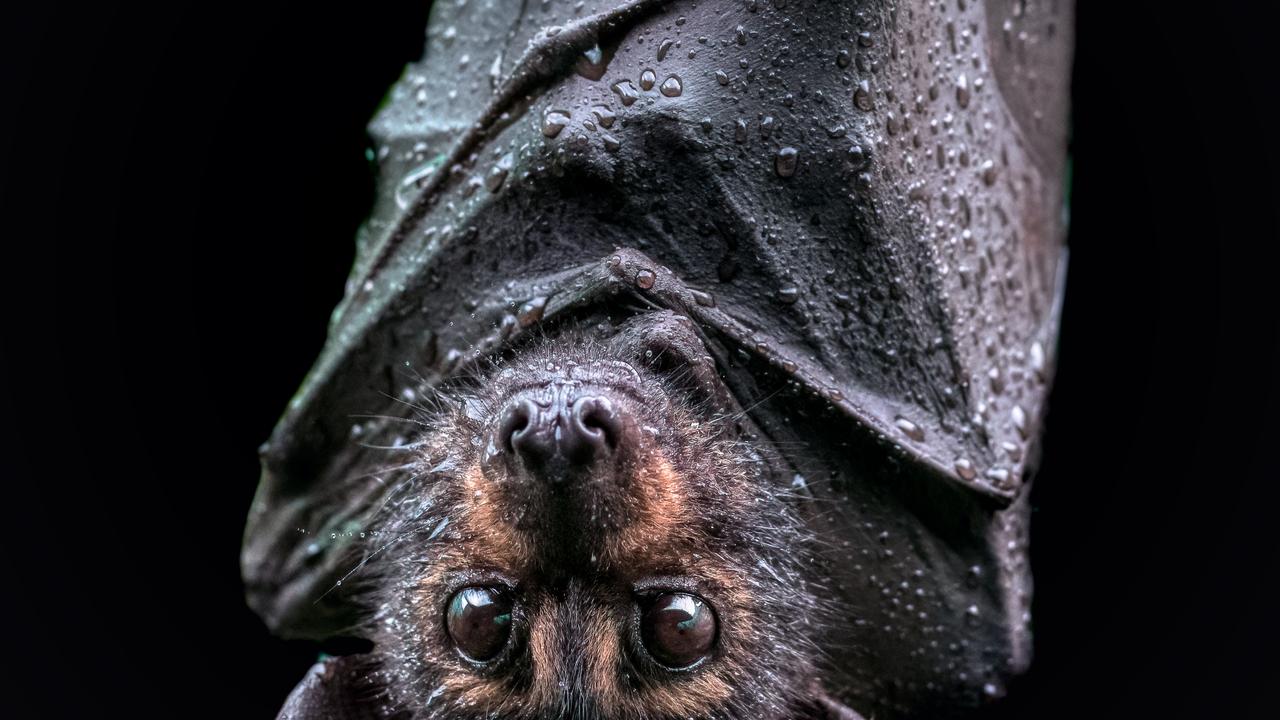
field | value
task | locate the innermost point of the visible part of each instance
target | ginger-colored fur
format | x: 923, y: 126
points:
x: 691, y: 509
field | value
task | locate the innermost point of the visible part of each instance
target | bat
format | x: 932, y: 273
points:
x: 692, y: 365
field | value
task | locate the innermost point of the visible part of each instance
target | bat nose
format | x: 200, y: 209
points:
x: 553, y: 439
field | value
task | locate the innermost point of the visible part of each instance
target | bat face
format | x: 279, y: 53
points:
x: 584, y: 537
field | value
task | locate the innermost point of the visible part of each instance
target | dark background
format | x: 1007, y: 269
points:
x: 180, y: 192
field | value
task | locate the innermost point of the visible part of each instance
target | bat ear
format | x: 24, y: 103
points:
x: 670, y: 343
x: 336, y: 688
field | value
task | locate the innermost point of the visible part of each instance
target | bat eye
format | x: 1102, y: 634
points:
x: 678, y: 629
x: 479, y: 621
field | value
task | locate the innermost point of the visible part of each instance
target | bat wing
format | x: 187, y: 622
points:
x: 860, y: 205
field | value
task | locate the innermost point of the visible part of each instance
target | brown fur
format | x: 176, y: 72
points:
x: 659, y: 511
x: 486, y: 533
x: 686, y: 509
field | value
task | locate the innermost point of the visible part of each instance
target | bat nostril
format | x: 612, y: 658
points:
x: 554, y: 440
x: 513, y: 427
x: 598, y: 423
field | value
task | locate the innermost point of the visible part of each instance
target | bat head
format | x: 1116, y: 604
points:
x: 584, y: 536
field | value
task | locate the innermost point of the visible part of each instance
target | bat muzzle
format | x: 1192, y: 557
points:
x: 555, y: 435
x: 566, y: 446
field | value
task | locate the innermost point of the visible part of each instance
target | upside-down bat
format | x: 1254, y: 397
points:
x: 692, y: 366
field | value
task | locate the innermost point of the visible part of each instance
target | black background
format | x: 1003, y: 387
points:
x: 180, y: 191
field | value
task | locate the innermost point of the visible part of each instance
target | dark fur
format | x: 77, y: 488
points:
x: 695, y: 509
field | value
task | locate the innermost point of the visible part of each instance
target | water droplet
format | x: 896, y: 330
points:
x: 785, y: 162
x: 997, y: 384
x: 611, y: 143
x: 865, y: 39
x: 531, y: 312
x: 593, y: 63
x: 604, y: 116
x: 553, y: 122
x: 1019, y: 417
x: 856, y: 155
x: 704, y: 299
x: 999, y: 476
x: 910, y: 429
x: 413, y: 182
x: 843, y: 58
x: 645, y: 279
x: 862, y: 96
x: 965, y: 469
x: 767, y: 126
x: 664, y: 48
x: 962, y: 91
x: 800, y: 485
x: 647, y: 79
x: 1036, y: 359
x: 740, y: 35
x: 740, y: 131
x: 988, y: 173
x: 722, y: 77
x: 789, y: 294
x: 498, y: 173
x: 626, y: 91
x: 671, y: 87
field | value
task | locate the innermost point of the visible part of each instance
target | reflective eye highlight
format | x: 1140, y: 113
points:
x: 678, y: 629
x: 479, y: 622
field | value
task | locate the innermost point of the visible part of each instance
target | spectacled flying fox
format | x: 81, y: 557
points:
x: 692, y: 365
